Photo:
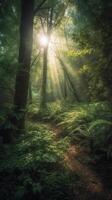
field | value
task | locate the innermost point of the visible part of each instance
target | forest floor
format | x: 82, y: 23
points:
x: 48, y: 161
x: 95, y: 177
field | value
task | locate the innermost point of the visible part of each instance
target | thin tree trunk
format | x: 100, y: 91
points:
x: 44, y: 78
x: 25, y: 49
x: 45, y: 59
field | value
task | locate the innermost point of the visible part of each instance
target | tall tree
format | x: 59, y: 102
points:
x: 54, y: 10
x: 25, y: 49
x: 45, y: 57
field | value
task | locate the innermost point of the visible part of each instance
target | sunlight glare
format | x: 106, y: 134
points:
x: 44, y: 40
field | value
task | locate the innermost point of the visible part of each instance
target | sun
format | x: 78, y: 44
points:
x: 44, y: 41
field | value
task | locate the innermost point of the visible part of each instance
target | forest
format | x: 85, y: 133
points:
x: 55, y: 100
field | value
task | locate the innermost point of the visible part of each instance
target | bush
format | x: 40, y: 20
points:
x: 101, y: 137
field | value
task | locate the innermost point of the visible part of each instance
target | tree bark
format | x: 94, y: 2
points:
x: 30, y: 98
x: 44, y: 78
x: 24, y: 60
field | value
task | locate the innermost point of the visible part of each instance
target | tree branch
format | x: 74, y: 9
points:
x: 42, y: 24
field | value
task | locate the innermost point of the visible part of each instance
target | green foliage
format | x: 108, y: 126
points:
x: 58, y: 185
x: 86, y: 124
x: 9, y: 39
x: 101, y: 137
x: 33, y: 166
x: 54, y: 110
x: 89, y: 28
x: 36, y: 147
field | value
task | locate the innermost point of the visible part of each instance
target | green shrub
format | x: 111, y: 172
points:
x: 101, y: 137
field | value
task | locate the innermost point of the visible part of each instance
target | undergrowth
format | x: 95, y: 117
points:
x: 33, y: 167
x: 86, y: 124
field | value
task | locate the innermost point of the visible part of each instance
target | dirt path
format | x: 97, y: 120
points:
x: 87, y: 175
x: 75, y: 160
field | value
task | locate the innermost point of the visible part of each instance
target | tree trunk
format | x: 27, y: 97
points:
x: 30, y: 98
x: 45, y: 59
x: 25, y: 49
x: 44, y: 78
